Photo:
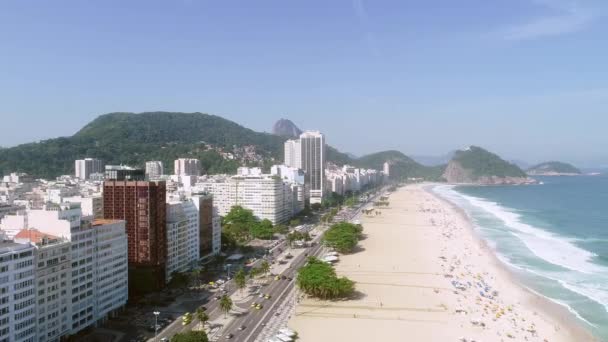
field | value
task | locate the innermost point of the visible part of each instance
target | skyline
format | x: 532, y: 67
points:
x: 523, y: 79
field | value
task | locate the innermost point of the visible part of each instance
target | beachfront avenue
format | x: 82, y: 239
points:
x: 262, y: 307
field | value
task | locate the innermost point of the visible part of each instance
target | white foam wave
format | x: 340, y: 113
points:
x: 552, y: 248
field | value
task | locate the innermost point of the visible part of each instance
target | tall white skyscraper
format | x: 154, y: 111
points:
x: 154, y: 169
x: 187, y: 167
x: 313, y: 163
x: 293, y: 153
x: 85, y: 167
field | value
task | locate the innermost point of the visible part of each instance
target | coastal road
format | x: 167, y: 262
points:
x: 255, y: 320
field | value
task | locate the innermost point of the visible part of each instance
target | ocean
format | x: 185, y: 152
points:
x: 554, y: 236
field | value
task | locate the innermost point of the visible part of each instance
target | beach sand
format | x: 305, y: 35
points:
x: 421, y: 273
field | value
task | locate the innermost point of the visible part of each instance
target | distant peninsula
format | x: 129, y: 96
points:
x: 475, y: 165
x: 553, y: 168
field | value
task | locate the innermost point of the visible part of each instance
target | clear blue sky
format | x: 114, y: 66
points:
x: 525, y: 78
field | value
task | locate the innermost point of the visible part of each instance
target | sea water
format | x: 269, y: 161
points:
x: 554, y: 236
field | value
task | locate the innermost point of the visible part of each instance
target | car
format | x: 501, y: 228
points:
x: 164, y: 339
x: 242, y: 327
x: 254, y: 304
x: 259, y: 307
x: 267, y: 296
x: 261, y: 295
x: 289, y: 278
x: 229, y: 336
x: 277, y: 278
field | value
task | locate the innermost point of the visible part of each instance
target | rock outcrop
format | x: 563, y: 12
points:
x: 478, y: 166
x: 286, y: 128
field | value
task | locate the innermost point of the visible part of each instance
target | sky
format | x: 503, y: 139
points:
x: 527, y: 79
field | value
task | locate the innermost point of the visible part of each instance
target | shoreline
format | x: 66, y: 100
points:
x: 423, y: 274
x: 547, y: 305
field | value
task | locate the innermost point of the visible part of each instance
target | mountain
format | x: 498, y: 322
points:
x: 133, y: 139
x: 553, y: 168
x: 402, y: 166
x: 478, y: 166
x: 286, y: 128
x: 434, y: 160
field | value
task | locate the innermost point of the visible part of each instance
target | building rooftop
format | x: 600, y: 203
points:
x: 35, y: 236
x: 103, y: 222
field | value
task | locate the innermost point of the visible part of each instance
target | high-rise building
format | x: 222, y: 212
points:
x: 80, y: 269
x: 313, y: 163
x: 122, y: 172
x: 18, y: 292
x: 154, y: 169
x: 387, y: 170
x: 293, y: 153
x: 85, y: 167
x: 209, y: 225
x: 187, y: 167
x: 142, y: 205
x: 182, y: 236
x: 266, y: 195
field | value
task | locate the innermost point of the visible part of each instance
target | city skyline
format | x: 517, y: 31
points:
x: 422, y: 78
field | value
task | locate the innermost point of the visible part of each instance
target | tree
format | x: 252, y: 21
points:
x: 202, y: 316
x: 191, y: 336
x: 343, y: 237
x: 294, y: 222
x: 319, y: 279
x: 315, y: 206
x: 254, y: 272
x: 265, y: 267
x: 238, y: 223
x: 240, y: 279
x: 262, y: 230
x: 281, y: 229
x: 225, y: 305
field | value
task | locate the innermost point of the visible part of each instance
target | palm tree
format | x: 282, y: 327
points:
x: 265, y: 267
x: 225, y: 305
x: 240, y: 279
x: 202, y: 316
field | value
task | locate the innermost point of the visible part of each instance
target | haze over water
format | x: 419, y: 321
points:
x: 554, y: 236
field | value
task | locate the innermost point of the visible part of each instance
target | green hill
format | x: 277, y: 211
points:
x: 553, y: 168
x: 402, y: 166
x: 135, y: 138
x: 476, y: 165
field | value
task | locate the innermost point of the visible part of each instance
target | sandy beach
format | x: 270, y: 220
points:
x: 422, y: 275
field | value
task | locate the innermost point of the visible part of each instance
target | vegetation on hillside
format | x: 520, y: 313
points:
x: 319, y: 279
x: 343, y: 237
x: 402, y: 166
x: 554, y: 167
x: 483, y: 163
x: 133, y: 139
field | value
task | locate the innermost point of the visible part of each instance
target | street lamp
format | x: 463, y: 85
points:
x: 156, y: 313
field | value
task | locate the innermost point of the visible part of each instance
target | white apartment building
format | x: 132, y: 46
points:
x: 187, y: 167
x: 183, y: 229
x: 90, y: 205
x: 85, y: 167
x: 154, y: 169
x: 81, y: 273
x: 17, y: 292
x: 266, y: 195
x: 293, y: 153
x: 52, y: 283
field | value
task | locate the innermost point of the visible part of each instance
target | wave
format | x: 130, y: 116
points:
x: 552, y: 248
x: 576, y: 273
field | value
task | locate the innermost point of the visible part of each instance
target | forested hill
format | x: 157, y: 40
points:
x: 402, y: 166
x: 553, y: 168
x: 133, y: 139
x: 476, y: 165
